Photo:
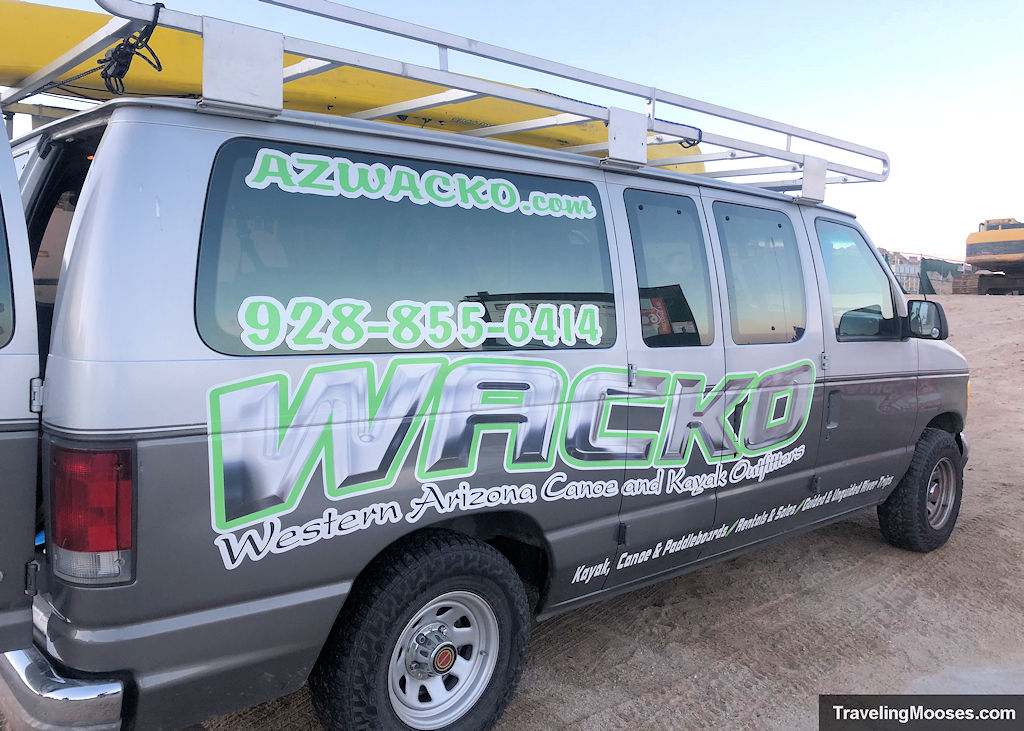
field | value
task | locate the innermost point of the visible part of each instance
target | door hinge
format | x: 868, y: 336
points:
x: 36, y: 395
x: 824, y: 361
x: 630, y: 374
x: 815, y: 485
x: 35, y: 399
x: 622, y: 534
x: 31, y: 572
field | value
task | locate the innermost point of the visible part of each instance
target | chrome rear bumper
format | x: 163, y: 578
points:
x: 33, y: 695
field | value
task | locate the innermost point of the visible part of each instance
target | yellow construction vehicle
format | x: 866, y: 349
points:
x: 997, y: 250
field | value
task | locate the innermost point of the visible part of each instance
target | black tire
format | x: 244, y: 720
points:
x: 904, y: 516
x: 350, y: 682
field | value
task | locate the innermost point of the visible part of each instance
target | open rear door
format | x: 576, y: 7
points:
x: 19, y: 425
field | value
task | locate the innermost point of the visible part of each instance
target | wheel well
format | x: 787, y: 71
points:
x: 515, y: 535
x: 953, y: 423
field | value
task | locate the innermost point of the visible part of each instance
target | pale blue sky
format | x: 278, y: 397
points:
x: 936, y: 85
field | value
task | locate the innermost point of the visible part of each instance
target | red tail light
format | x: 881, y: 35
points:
x: 91, y: 499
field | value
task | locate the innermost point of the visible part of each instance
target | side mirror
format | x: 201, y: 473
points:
x: 927, y: 320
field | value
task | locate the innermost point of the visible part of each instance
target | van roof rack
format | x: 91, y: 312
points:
x: 246, y: 72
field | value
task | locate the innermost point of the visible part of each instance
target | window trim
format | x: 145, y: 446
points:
x: 827, y: 288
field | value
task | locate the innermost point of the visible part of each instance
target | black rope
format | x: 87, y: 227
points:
x: 117, y: 60
x: 686, y: 143
x: 70, y: 89
x: 54, y: 84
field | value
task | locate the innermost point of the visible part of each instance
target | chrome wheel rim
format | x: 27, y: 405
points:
x: 443, y: 660
x: 941, y: 493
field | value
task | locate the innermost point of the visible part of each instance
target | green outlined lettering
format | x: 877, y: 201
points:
x: 405, y: 184
x: 317, y: 169
x: 269, y: 167
x: 338, y: 176
x: 359, y: 180
x: 310, y: 324
x: 475, y: 397
x: 439, y: 188
x: 357, y: 426
x: 269, y: 442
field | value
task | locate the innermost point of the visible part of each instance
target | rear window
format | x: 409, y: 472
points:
x: 316, y: 250
x: 6, y: 289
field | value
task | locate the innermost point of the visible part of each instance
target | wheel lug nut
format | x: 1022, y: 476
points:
x: 443, y: 630
x: 421, y: 639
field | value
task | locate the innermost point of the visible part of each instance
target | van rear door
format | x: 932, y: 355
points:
x: 19, y: 424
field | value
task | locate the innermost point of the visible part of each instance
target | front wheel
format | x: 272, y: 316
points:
x: 920, y: 513
x: 435, y: 639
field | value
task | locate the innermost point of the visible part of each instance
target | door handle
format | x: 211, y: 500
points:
x: 835, y: 399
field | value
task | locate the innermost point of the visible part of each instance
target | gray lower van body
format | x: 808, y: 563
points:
x: 298, y: 344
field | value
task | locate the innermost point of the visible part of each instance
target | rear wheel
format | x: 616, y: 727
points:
x: 920, y: 513
x: 436, y: 639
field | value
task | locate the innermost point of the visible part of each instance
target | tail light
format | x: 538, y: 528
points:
x: 91, y: 503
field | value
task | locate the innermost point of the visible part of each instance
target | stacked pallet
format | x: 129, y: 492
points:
x: 966, y: 284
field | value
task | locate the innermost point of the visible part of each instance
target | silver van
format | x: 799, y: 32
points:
x: 295, y: 396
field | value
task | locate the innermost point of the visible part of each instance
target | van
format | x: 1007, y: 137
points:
x: 290, y: 396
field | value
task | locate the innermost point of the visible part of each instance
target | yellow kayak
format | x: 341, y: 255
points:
x: 31, y: 36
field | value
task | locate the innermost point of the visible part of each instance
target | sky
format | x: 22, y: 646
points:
x: 936, y: 85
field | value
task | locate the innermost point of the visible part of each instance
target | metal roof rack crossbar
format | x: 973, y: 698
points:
x: 244, y: 74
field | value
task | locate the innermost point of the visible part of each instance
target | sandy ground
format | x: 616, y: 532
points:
x: 752, y: 642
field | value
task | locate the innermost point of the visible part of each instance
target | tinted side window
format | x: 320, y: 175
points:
x: 316, y: 250
x: 671, y: 269
x: 6, y: 288
x: 862, y: 304
x: 767, y: 303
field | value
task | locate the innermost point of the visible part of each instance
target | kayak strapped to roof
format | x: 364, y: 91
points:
x: 239, y: 70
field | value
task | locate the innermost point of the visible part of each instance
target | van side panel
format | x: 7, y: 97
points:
x: 186, y: 627
x: 266, y: 481
x: 942, y: 386
x: 221, y: 564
